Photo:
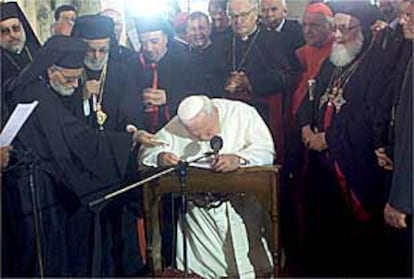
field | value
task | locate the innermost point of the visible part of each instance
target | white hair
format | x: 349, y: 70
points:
x: 253, y: 3
x: 192, y: 106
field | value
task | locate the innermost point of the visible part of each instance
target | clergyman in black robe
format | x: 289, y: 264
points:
x: 162, y: 71
x: 344, y: 195
x: 17, y: 54
x: 73, y: 164
x: 260, y: 70
x: 18, y: 47
x: 110, y: 88
x: 204, y: 79
x: 107, y: 88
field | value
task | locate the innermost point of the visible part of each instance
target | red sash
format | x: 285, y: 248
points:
x: 350, y: 198
x: 153, y: 111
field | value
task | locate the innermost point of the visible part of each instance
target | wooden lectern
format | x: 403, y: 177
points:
x: 262, y: 182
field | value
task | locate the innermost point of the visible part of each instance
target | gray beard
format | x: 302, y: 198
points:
x: 17, y: 48
x: 343, y: 54
x: 95, y: 65
x: 61, y: 90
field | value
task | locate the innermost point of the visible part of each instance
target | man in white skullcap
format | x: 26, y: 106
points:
x: 226, y: 236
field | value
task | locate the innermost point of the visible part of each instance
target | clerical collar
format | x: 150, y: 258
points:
x: 237, y: 66
x: 278, y: 28
x: 11, y: 55
x: 246, y: 37
x: 202, y: 49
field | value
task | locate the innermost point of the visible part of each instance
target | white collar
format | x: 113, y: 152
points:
x: 280, y: 26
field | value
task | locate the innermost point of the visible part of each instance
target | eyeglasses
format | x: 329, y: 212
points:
x: 16, y: 28
x: 344, y: 29
x: 242, y: 15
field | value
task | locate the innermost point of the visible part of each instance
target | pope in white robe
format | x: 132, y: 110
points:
x: 228, y: 238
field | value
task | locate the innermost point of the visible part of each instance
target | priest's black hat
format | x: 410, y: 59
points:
x: 9, y: 10
x: 59, y: 50
x: 93, y: 27
x: 64, y: 8
x: 145, y: 25
x: 366, y: 13
x: 68, y: 52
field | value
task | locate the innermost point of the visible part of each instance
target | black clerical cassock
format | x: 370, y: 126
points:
x: 171, y: 73
x: 73, y: 164
x: 344, y: 191
x: 118, y: 97
x: 271, y: 69
x: 12, y: 63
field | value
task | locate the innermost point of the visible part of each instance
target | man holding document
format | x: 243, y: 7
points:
x: 71, y: 164
x: 227, y: 233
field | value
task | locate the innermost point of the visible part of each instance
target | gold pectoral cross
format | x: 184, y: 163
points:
x: 101, y: 116
x: 339, y: 101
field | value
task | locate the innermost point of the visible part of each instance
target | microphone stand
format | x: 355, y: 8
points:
x: 181, y: 170
x: 182, y: 177
x: 36, y: 217
x: 29, y: 160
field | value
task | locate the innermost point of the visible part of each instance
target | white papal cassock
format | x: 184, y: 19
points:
x: 231, y: 239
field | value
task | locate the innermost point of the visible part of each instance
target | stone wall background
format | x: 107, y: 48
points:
x: 40, y: 12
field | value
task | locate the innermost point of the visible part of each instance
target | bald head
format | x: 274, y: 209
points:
x: 199, y: 116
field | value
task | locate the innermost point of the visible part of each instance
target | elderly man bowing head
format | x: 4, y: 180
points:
x: 246, y: 142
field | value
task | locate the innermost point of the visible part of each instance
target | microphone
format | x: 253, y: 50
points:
x: 216, y: 143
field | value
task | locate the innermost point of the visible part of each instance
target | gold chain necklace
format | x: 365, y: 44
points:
x: 97, y: 105
x: 335, y: 90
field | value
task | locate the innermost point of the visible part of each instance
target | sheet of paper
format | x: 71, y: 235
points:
x: 201, y: 165
x: 19, y: 116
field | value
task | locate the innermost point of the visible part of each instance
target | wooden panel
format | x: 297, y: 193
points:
x: 262, y: 182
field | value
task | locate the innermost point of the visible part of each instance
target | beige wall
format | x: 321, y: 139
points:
x: 40, y: 13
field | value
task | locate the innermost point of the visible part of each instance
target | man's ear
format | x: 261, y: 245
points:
x: 51, y: 73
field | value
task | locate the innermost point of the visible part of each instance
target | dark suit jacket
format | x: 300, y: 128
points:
x: 293, y: 32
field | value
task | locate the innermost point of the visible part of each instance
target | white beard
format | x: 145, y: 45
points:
x: 60, y: 89
x: 343, y: 54
x: 95, y: 65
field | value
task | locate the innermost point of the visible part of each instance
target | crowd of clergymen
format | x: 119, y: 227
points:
x: 335, y: 91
